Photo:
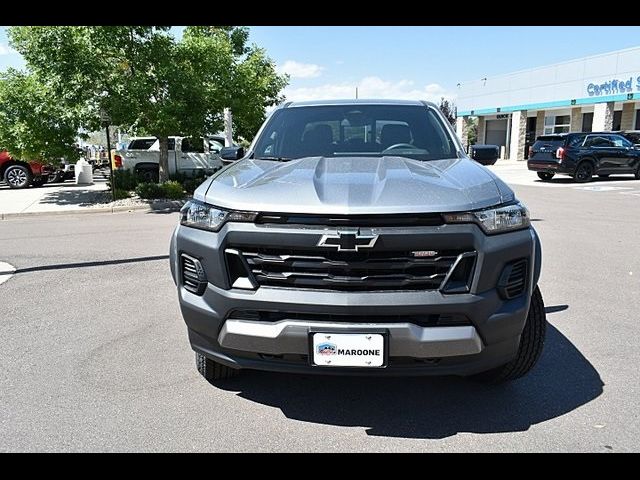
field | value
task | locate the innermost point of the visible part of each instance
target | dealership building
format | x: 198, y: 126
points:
x: 596, y: 93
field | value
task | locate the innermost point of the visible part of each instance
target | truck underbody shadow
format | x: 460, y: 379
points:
x: 432, y: 407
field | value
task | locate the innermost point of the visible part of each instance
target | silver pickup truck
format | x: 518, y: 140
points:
x: 357, y: 237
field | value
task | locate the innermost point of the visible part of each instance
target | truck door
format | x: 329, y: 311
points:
x: 191, y: 159
x: 214, y: 162
x: 198, y: 156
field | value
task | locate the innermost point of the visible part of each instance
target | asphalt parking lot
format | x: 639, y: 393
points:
x: 94, y: 354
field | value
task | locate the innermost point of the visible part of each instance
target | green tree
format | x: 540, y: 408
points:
x: 449, y: 110
x: 34, y: 125
x: 148, y: 80
x: 472, y: 131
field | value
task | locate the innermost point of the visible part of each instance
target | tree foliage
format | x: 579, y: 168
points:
x: 34, y: 125
x: 146, y: 79
x: 448, y: 109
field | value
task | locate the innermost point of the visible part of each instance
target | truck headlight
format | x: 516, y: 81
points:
x: 197, y: 214
x: 494, y: 220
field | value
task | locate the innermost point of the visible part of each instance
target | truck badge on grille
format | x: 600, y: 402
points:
x: 424, y: 253
x: 348, y: 242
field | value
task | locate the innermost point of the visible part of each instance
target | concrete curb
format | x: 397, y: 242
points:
x: 172, y: 206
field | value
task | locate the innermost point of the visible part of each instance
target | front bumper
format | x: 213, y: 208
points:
x: 491, y: 338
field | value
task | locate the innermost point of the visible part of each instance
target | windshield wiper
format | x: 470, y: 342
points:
x: 277, y: 159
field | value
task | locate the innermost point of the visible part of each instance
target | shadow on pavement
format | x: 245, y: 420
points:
x: 76, y: 195
x: 97, y: 263
x: 596, y: 179
x: 555, y: 308
x: 431, y: 407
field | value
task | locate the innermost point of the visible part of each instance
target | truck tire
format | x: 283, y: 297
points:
x: 39, y: 181
x: 148, y: 174
x: 545, y: 176
x: 213, y: 371
x: 531, y: 344
x: 57, y: 176
x: 18, y: 176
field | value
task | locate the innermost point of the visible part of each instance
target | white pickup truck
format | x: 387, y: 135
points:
x: 193, y: 157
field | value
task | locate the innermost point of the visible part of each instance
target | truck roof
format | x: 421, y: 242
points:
x: 359, y: 101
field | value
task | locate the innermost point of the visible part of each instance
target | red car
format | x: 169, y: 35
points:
x: 21, y: 174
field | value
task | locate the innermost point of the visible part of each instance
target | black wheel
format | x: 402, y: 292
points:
x: 531, y: 344
x: 584, y: 172
x: 149, y: 175
x: 39, y: 181
x: 18, y: 176
x: 213, y: 371
x: 603, y: 175
x: 545, y: 176
x: 638, y: 172
x: 56, y: 177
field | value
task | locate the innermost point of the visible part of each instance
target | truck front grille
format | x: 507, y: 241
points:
x: 354, y: 271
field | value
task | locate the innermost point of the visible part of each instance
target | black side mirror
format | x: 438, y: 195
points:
x: 485, y: 154
x: 232, y: 153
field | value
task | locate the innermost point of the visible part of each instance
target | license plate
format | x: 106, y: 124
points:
x: 348, y: 349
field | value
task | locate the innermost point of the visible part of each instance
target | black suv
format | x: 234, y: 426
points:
x: 581, y: 155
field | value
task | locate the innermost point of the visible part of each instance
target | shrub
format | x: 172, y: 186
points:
x: 173, y: 190
x: 149, y: 190
x: 178, y: 177
x: 124, y: 180
x: 122, y: 194
x: 190, y: 184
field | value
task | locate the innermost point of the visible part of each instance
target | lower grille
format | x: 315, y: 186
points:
x: 513, y: 280
x: 192, y: 273
x: 349, y: 271
x: 432, y: 320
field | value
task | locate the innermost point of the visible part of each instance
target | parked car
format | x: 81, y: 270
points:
x: 357, y: 237
x: 20, y: 173
x: 186, y: 155
x: 582, y: 155
x: 65, y: 171
x: 632, y: 135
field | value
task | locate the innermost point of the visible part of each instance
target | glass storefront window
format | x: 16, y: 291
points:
x: 557, y: 124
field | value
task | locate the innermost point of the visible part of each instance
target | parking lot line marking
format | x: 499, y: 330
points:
x: 6, y: 271
x: 602, y: 188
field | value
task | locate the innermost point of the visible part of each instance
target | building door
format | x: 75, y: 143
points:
x: 496, y: 133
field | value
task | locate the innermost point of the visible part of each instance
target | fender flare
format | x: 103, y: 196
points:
x: 9, y: 163
x: 537, y: 266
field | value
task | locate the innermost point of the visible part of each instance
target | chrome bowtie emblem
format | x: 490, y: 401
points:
x: 347, y: 241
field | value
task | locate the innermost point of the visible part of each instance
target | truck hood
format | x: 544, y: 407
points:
x: 354, y: 185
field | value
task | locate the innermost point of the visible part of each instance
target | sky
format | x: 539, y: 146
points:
x: 410, y: 62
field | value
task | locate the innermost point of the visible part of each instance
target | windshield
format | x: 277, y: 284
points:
x: 412, y: 131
